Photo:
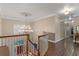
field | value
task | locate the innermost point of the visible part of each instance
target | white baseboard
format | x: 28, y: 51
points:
x: 58, y: 40
x: 76, y: 41
x: 51, y: 41
x: 55, y: 41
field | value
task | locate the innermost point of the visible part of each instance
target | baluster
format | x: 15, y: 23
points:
x: 14, y: 46
x: 24, y: 47
x: 18, y: 50
x: 20, y: 46
x: 9, y: 42
x: 2, y: 42
x: 15, y: 51
x: 6, y: 41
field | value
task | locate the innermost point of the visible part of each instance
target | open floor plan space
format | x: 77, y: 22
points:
x: 39, y: 29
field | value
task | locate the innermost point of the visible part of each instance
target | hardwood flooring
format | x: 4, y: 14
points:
x: 55, y: 49
x: 62, y: 48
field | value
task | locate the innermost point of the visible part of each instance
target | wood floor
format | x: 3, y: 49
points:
x: 62, y: 48
x: 77, y: 49
x: 55, y: 49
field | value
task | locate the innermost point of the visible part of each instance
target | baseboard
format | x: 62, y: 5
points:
x: 76, y: 41
x: 55, y: 41
x: 51, y: 41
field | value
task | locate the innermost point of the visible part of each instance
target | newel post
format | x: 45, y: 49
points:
x: 38, y: 46
x: 28, y: 37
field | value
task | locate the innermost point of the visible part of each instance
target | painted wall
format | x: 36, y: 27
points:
x: 76, y: 21
x: 0, y: 29
x: 43, y: 25
x: 0, y: 26
x: 50, y: 24
x: 7, y: 26
x: 59, y: 29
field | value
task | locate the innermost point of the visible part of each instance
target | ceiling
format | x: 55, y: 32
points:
x: 33, y: 11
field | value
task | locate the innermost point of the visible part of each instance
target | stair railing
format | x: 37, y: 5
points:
x: 7, y: 40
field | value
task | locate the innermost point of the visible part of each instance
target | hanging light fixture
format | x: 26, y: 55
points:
x: 67, y: 14
x: 67, y: 10
x: 25, y: 29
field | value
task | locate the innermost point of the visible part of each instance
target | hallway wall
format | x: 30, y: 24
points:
x: 0, y: 26
x: 43, y: 25
x: 7, y: 26
x: 50, y: 24
x: 76, y: 21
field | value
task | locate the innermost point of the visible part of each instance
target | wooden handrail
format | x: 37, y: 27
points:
x: 31, y: 42
x: 42, y: 35
x: 14, y: 35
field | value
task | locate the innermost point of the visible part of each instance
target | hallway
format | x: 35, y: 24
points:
x: 62, y: 48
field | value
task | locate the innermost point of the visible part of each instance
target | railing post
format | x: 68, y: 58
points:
x: 38, y: 46
x: 27, y: 43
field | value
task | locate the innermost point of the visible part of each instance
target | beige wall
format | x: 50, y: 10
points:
x: 76, y: 21
x: 7, y: 26
x: 50, y: 24
x: 0, y: 26
x: 39, y: 26
x: 59, y: 29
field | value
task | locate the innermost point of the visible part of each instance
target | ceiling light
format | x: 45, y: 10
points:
x: 66, y: 10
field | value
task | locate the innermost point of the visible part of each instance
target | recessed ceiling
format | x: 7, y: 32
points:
x: 33, y: 11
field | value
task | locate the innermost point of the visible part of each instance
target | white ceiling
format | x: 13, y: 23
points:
x: 37, y: 10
